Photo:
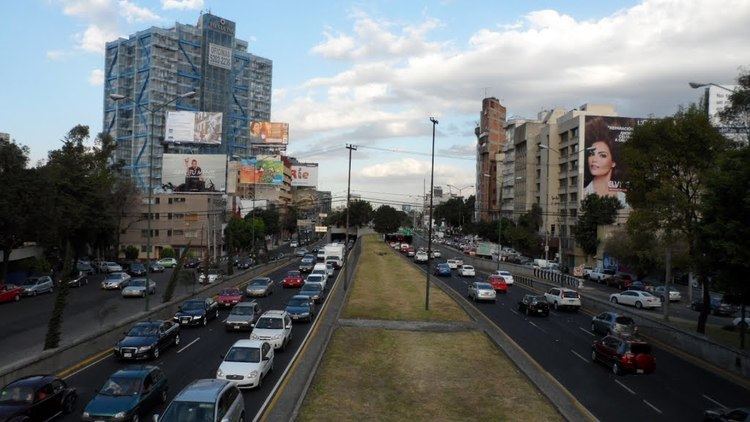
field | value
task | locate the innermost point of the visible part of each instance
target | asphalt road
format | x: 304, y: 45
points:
x: 561, y: 344
x: 198, y: 356
x: 89, y: 308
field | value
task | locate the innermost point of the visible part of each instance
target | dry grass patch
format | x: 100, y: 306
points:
x: 387, y: 375
x: 387, y: 287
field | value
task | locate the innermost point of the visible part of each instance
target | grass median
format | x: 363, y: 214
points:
x: 387, y: 287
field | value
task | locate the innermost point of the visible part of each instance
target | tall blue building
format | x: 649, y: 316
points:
x: 155, y: 65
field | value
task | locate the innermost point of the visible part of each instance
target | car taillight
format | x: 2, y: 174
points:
x: 628, y: 359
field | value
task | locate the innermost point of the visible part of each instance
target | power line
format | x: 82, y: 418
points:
x: 401, y: 151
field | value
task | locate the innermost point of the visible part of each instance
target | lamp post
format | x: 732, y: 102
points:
x: 461, y: 208
x: 152, y: 111
x: 429, y: 221
x: 546, y: 202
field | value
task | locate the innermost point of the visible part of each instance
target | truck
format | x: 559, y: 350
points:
x: 334, y: 252
x: 487, y: 249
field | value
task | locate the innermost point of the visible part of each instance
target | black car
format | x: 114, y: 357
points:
x: 717, y: 306
x: 533, y: 304
x: 192, y: 263
x: 147, y: 339
x: 137, y: 269
x: 244, y: 264
x: 739, y: 414
x: 36, y: 398
x: 197, y: 312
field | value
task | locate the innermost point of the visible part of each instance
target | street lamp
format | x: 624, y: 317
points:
x: 546, y: 203
x: 461, y: 208
x: 429, y: 221
x: 152, y: 111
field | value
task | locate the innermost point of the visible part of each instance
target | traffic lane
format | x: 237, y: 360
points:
x: 198, y: 355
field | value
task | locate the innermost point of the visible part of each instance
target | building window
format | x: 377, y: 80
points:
x: 144, y: 248
x: 574, y: 132
x: 169, y: 233
x: 169, y: 216
x: 573, y: 212
x: 177, y: 232
x: 144, y: 233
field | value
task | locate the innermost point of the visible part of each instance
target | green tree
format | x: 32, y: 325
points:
x: 361, y: 213
x: 290, y: 220
x: 168, y: 252
x: 271, y: 220
x: 131, y: 252
x: 386, y: 219
x: 178, y: 274
x: 15, y: 201
x: 737, y: 114
x: 595, y: 211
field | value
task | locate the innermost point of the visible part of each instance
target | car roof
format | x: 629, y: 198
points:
x: 147, y: 323
x: 260, y: 279
x: 300, y: 297
x: 34, y: 380
x: 274, y: 314
x: 565, y: 289
x: 248, y: 343
x: 194, y: 300
x: 202, y: 390
x: 251, y: 303
x: 135, y: 371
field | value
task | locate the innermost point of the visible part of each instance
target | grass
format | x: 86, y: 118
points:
x: 387, y: 287
x: 373, y: 374
x: 714, y: 332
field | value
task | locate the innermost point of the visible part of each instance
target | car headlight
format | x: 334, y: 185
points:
x: 253, y: 374
x: 254, y: 336
x: 219, y: 373
x: 120, y: 415
x: 144, y: 348
x: 276, y: 337
x: 85, y: 414
x: 197, y: 316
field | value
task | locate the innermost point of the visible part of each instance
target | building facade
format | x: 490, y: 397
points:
x: 490, y: 142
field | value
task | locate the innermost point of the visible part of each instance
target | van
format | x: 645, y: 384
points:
x: 541, y: 263
x: 321, y: 256
x: 212, y: 400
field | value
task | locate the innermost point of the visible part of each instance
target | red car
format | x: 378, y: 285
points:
x: 229, y: 297
x: 498, y: 283
x: 624, y: 354
x: 10, y: 293
x: 293, y: 279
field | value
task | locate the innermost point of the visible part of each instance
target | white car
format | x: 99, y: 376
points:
x: 506, y: 275
x: 115, y: 281
x: 436, y: 254
x: 330, y: 269
x: 111, y: 267
x: 636, y: 298
x: 560, y: 297
x: 674, y: 294
x: 320, y: 279
x: 137, y: 288
x: 481, y: 291
x: 421, y: 256
x: 293, y: 244
x: 213, y: 277
x: 246, y: 363
x: 274, y: 327
x: 453, y: 263
x: 467, y: 271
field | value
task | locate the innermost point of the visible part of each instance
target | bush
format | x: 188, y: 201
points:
x: 131, y: 252
x: 168, y: 252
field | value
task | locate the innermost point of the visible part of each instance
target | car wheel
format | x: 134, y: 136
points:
x: 556, y: 306
x: 613, y: 300
x: 638, y: 305
x: 69, y: 404
x: 216, y: 315
x: 593, y: 356
x: 616, y: 368
x: 163, y: 396
x: 527, y: 312
x: 205, y: 320
x: 135, y: 418
x: 17, y: 298
x: 155, y: 353
x: 177, y: 340
x: 33, y: 293
x: 593, y: 327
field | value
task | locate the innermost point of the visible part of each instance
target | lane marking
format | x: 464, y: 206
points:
x: 656, y: 409
x: 515, y: 312
x: 714, y: 401
x: 89, y: 365
x: 189, y: 344
x: 67, y: 372
x: 586, y: 331
x: 540, y: 328
x: 626, y: 387
x: 579, y: 356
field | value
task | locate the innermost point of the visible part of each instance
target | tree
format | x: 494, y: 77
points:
x: 15, y: 201
x: 386, y: 219
x: 595, y: 211
x: 271, y: 220
x: 177, y: 274
x: 668, y: 161
x: 131, y: 252
x: 290, y: 220
x: 168, y: 252
x: 737, y: 114
x: 361, y: 213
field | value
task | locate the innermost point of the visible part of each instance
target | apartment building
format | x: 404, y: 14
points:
x: 490, y: 141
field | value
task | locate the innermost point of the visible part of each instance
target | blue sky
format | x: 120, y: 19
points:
x: 370, y: 73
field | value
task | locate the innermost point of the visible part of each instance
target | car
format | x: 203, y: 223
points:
x: 723, y: 414
x: 533, y: 304
x: 10, y: 293
x: 481, y: 291
x: 506, y: 275
x: 36, y: 398
x: 635, y: 298
x: 320, y: 270
x: 246, y: 363
x: 674, y: 294
x: 190, y: 263
x: 155, y: 267
x: 197, y: 312
x: 206, y: 400
x: 301, y: 307
x: 639, y: 286
x: 229, y: 297
x: 307, y: 263
x: 213, y: 277
x: 316, y: 279
x: 80, y: 280
x: 293, y: 244
x: 242, y: 316
x: 421, y: 256
x: 110, y: 267
x: 312, y: 290
x: 330, y: 268
x: 300, y: 252
x: 624, y: 354
x: 562, y: 298
x: 498, y: 283
x: 167, y: 262
x: 321, y: 255
x: 85, y: 267
x: 442, y: 270
x: 601, y: 275
x: 466, y: 271
x: 453, y: 263
x: 137, y: 288
x: 717, y: 304
x: 737, y: 322
x: 146, y: 340
x: 293, y: 279
x: 619, y: 279
x: 128, y: 394
x: 436, y: 254
x: 274, y: 327
x: 613, y: 323
x: 259, y: 286
x: 244, y: 264
x: 137, y: 269
x: 115, y: 281
x: 32, y: 286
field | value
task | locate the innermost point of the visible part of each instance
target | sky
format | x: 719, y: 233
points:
x: 371, y: 73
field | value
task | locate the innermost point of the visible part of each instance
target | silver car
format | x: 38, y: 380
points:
x: 32, y: 286
x: 115, y: 281
x: 259, y: 286
x: 137, y: 288
x: 207, y: 400
x: 242, y: 316
x: 482, y: 291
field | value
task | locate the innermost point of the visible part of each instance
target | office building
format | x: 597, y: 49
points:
x: 490, y: 142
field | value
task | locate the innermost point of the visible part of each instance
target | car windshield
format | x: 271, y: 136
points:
x: 310, y: 288
x: 503, y: 272
x: 19, y: 394
x: 638, y: 348
x: 314, y: 279
x: 180, y: 411
x: 646, y: 294
x: 609, y: 272
x: 30, y: 281
x: 114, y: 276
x: 538, y: 299
x: 270, y: 323
x: 242, y: 310
x: 293, y: 274
x: 624, y: 320
x: 230, y: 292
x: 143, y: 331
x: 121, y: 386
x: 570, y: 294
x: 484, y: 286
x: 243, y: 354
x: 259, y: 283
x: 468, y: 267
x: 138, y: 282
x: 192, y: 306
x: 298, y: 302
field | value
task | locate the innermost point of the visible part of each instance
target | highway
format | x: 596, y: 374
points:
x: 561, y: 344
x: 198, y: 356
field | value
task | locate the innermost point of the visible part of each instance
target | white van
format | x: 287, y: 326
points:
x: 321, y: 254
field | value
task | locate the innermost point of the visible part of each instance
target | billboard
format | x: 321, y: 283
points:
x: 261, y: 171
x: 193, y: 127
x: 603, y: 168
x: 321, y: 229
x: 246, y: 206
x: 220, y: 56
x: 269, y: 133
x: 194, y: 172
x: 305, y: 174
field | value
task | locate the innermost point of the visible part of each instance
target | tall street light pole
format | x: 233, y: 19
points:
x: 461, y: 208
x: 429, y: 221
x: 546, y: 204
x: 152, y: 111
x: 348, y: 198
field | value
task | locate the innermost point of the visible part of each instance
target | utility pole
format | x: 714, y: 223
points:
x: 429, y: 221
x: 348, y: 198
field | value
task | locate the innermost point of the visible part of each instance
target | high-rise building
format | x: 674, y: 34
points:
x: 156, y: 65
x: 490, y: 141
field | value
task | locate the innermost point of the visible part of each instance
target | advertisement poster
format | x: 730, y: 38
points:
x: 193, y: 127
x: 603, y: 168
x: 269, y: 133
x: 220, y: 56
x: 261, y: 171
x: 305, y: 174
x: 193, y: 172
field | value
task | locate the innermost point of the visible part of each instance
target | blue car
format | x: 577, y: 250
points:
x: 301, y: 308
x: 442, y: 270
x: 129, y: 394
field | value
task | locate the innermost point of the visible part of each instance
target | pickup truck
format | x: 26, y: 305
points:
x: 601, y: 275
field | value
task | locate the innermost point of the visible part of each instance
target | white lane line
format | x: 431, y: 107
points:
x: 579, y: 356
x: 188, y: 345
x: 538, y: 327
x: 656, y: 409
x: 586, y: 331
x: 515, y: 312
x: 713, y: 401
x: 625, y: 387
x: 89, y: 365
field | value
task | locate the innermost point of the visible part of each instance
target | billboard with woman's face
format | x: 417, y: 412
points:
x: 603, y: 167
x: 269, y: 133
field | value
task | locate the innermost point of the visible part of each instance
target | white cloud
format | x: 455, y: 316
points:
x: 182, y: 4
x: 408, y: 168
x: 135, y: 13
x: 96, y: 77
x: 54, y: 55
x: 95, y: 37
